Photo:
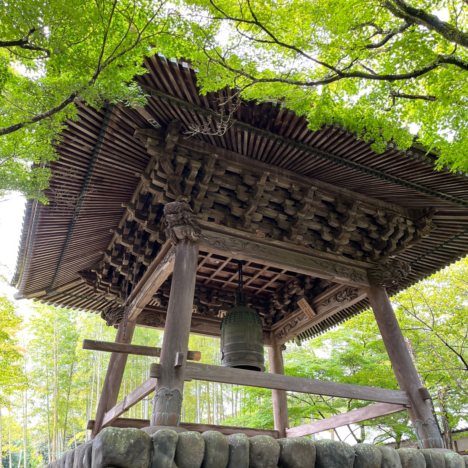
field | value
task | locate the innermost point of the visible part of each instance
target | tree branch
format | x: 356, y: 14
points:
x: 401, y: 9
x: 24, y: 44
x: 379, y: 44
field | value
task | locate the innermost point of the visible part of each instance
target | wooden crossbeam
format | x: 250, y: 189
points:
x: 278, y: 255
x: 351, y: 417
x: 226, y: 430
x: 248, y: 378
x: 138, y: 350
x: 159, y: 270
x: 130, y: 400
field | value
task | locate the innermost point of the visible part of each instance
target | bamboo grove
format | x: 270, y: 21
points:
x: 50, y: 386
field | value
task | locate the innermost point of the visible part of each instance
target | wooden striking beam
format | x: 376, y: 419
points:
x: 248, y: 378
x: 334, y: 299
x: 279, y: 256
x: 352, y: 417
x: 138, y: 350
x: 159, y: 270
x: 126, y: 423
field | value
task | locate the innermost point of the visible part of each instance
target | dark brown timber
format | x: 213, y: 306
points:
x: 351, y: 417
x: 280, y: 402
x: 138, y: 350
x: 169, y: 390
x: 403, y: 366
x: 248, y: 378
x: 113, y: 380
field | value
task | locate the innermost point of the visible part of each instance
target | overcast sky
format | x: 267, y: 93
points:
x: 11, y: 222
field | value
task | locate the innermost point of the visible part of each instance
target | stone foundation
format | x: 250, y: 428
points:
x: 157, y: 447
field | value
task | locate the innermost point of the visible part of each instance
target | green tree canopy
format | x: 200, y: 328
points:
x: 372, y: 67
x: 54, y: 54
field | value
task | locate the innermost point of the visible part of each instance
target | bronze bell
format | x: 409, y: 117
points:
x: 242, y: 336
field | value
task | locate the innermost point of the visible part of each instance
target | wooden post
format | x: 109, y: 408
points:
x: 184, y: 233
x: 280, y: 402
x: 420, y: 412
x: 113, y: 380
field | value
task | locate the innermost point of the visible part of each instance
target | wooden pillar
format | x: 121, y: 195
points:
x: 113, y: 380
x: 406, y: 374
x: 184, y: 233
x: 280, y: 402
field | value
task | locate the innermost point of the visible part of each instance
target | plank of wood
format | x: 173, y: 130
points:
x: 229, y: 375
x: 280, y: 401
x: 159, y: 270
x: 126, y: 423
x: 351, y: 417
x: 130, y: 400
x: 113, y: 380
x: 402, y: 364
x: 278, y: 257
x: 138, y: 350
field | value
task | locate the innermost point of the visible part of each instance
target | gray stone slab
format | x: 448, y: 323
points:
x: 264, y: 452
x: 164, y: 443
x: 190, y: 450
x: 331, y: 454
x: 411, y: 458
x: 433, y: 459
x: 367, y: 456
x: 216, y: 450
x: 453, y: 460
x: 296, y: 452
x: 121, y: 448
x: 390, y: 457
x: 239, y: 448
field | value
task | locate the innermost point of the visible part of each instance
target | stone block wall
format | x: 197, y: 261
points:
x: 157, y: 447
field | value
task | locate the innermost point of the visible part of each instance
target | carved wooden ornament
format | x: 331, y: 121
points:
x: 389, y: 275
x: 180, y: 224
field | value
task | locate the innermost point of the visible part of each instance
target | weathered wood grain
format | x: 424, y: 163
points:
x: 177, y: 329
x: 113, y: 380
x: 283, y: 258
x: 130, y: 400
x: 333, y: 300
x: 351, y: 417
x: 220, y: 374
x: 138, y: 350
x: 161, y: 267
x: 402, y: 363
x: 280, y: 401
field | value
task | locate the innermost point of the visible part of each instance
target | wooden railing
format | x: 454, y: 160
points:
x: 390, y: 401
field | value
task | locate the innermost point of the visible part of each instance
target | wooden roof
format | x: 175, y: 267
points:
x: 103, y: 155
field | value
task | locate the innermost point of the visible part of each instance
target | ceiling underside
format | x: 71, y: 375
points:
x: 59, y: 240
